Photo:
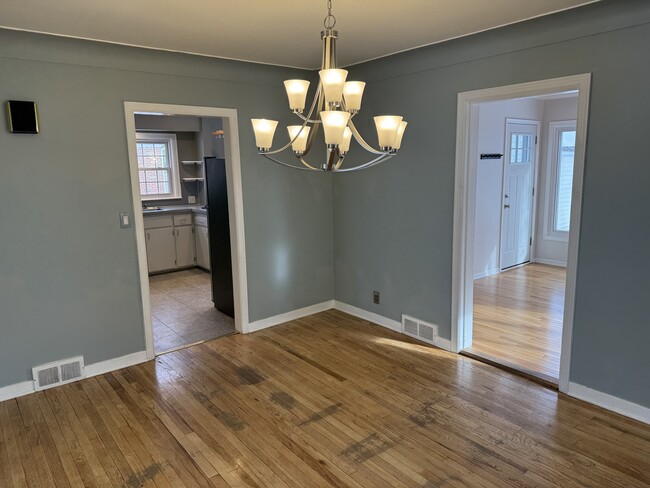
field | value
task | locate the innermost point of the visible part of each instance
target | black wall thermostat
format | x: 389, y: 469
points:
x: 22, y: 116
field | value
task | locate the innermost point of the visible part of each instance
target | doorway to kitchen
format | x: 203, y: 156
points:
x: 186, y: 185
x: 520, y: 160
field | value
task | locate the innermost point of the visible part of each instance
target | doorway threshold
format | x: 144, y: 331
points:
x: 185, y: 346
x: 534, y: 376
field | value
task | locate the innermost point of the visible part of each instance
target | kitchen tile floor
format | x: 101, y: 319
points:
x: 182, y: 310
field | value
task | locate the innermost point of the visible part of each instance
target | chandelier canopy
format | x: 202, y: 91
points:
x: 334, y: 106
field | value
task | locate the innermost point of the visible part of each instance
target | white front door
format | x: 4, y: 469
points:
x: 517, y: 210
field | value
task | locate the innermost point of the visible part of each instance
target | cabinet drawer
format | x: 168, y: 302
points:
x: 201, y: 220
x: 183, y: 219
x: 156, y: 221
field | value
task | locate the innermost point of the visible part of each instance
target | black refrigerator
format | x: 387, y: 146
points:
x: 219, y: 235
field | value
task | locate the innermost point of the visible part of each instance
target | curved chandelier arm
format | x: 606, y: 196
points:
x: 286, y: 146
x: 361, y: 141
x: 309, y: 168
x: 369, y: 164
x: 306, y: 120
x: 317, y: 96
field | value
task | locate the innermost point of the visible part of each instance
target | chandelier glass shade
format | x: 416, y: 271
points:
x: 335, y: 104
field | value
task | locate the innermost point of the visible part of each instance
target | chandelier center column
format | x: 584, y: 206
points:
x: 329, y: 38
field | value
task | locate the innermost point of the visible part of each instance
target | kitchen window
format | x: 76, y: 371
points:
x: 561, y: 156
x: 158, y: 166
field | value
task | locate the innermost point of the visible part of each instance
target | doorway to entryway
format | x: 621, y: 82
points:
x: 520, y: 159
x: 188, y: 214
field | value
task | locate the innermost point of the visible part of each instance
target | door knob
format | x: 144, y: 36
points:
x: 506, y: 206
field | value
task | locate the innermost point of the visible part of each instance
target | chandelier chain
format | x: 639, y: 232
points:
x: 330, y: 20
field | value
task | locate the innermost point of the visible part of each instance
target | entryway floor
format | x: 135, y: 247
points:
x: 518, y: 319
x: 182, y: 310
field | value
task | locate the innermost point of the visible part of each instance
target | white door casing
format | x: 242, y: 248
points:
x: 464, y: 199
x: 519, y: 164
x: 235, y: 206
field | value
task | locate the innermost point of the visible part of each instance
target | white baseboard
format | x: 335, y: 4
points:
x: 26, y: 387
x: 115, y: 363
x: 609, y: 402
x: 289, y: 316
x: 16, y: 390
x: 485, y: 274
x: 391, y: 324
x: 550, y: 262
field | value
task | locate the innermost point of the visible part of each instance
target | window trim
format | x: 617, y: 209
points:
x: 175, y: 178
x: 552, y: 160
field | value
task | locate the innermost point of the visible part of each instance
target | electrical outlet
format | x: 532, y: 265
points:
x: 191, y: 199
x: 375, y: 297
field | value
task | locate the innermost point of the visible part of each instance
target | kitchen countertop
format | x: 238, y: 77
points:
x: 175, y: 209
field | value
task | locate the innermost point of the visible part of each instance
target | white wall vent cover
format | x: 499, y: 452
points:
x: 58, y: 373
x: 420, y: 330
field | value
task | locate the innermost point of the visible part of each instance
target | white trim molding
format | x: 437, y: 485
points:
x: 552, y: 166
x: 26, y: 387
x: 485, y: 274
x: 551, y: 262
x: 289, y: 316
x: 385, y: 322
x: 116, y: 363
x: 391, y: 324
x: 235, y: 206
x: 465, y: 188
x: 610, y: 402
x: 16, y: 390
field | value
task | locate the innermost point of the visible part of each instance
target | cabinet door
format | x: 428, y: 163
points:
x: 184, y: 246
x: 161, y: 253
x: 202, y: 247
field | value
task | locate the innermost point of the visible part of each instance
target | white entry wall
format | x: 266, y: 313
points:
x: 489, y: 177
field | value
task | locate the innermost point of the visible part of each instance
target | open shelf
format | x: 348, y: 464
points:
x: 188, y: 163
x: 187, y: 180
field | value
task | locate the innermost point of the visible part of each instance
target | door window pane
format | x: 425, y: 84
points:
x: 521, y: 148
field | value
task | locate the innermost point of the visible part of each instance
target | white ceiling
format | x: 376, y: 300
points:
x: 281, y: 32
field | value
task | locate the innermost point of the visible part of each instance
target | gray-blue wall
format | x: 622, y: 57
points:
x: 393, y: 224
x: 68, y: 274
x: 68, y: 279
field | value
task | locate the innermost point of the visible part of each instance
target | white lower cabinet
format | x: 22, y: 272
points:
x: 184, y: 246
x: 202, y: 247
x: 170, y: 242
x: 161, y: 249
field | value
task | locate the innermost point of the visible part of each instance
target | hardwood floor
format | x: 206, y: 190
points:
x: 518, y: 318
x: 328, y: 400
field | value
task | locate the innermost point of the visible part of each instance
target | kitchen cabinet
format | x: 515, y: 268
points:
x: 184, y: 246
x: 202, y: 242
x: 170, y: 242
x: 161, y: 250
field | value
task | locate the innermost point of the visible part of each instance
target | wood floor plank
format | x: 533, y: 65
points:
x: 327, y: 400
x: 517, y: 318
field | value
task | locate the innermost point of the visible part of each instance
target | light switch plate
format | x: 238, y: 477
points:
x: 125, y: 220
x: 191, y: 199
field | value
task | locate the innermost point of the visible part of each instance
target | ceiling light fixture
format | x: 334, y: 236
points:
x: 334, y: 106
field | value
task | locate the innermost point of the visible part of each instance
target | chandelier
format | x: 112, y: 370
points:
x: 335, y: 104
